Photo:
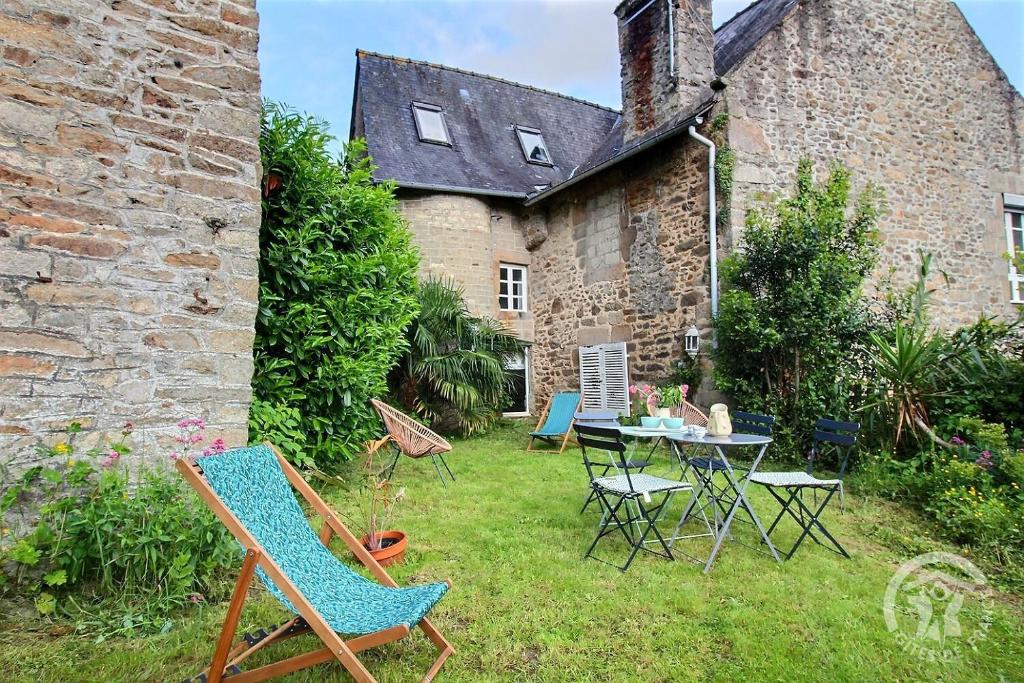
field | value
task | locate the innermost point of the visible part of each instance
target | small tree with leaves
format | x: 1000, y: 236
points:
x: 791, y: 318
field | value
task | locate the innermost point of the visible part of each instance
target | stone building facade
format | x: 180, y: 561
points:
x: 618, y: 236
x: 129, y: 218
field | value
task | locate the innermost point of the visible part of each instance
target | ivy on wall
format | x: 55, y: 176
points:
x: 725, y: 164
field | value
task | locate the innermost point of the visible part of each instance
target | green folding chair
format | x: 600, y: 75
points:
x: 555, y: 424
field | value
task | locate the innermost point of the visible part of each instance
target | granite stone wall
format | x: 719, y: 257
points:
x: 129, y: 218
x: 622, y: 258
x: 906, y: 95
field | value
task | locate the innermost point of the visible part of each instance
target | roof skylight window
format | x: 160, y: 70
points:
x: 533, y: 146
x: 430, y: 125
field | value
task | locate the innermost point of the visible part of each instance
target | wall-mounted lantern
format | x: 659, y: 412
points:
x: 691, y: 342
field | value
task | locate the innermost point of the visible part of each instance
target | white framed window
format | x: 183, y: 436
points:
x: 518, y: 399
x: 604, y: 377
x: 511, y: 287
x: 534, y: 148
x: 1013, y: 210
x: 430, y: 125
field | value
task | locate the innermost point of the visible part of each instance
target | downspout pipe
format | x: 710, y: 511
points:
x: 712, y: 215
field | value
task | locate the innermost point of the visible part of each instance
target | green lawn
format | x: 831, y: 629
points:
x: 526, y: 606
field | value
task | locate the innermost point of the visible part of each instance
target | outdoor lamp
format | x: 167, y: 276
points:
x: 692, y: 341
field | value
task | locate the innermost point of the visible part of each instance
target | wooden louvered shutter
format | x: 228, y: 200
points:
x: 604, y: 377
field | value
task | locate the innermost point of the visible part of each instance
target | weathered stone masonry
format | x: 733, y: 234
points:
x: 129, y: 216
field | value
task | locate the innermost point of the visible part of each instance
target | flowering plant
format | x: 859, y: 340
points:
x: 652, y: 397
x: 191, y: 434
x: 382, y: 497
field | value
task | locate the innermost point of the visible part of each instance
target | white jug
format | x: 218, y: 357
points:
x: 719, y: 423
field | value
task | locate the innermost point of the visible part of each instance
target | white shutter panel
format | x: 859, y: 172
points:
x: 604, y: 377
x: 590, y: 377
x: 616, y: 377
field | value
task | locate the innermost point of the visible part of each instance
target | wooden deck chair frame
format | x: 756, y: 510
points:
x: 226, y: 657
x: 540, y: 423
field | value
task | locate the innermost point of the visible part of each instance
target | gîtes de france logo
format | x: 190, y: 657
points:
x: 936, y: 605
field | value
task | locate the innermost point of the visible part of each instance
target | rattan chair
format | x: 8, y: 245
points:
x: 412, y: 439
x: 691, y: 414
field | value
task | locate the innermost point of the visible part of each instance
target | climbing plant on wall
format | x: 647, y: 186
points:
x: 337, y: 288
x: 791, y: 314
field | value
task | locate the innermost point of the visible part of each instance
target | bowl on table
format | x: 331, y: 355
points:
x: 699, y: 432
x: 673, y: 423
x: 648, y: 422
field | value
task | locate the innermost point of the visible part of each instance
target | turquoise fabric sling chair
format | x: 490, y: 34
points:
x: 250, y: 491
x: 555, y: 424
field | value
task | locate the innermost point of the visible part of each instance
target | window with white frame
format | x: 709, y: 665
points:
x: 534, y: 148
x: 1013, y: 209
x: 511, y: 287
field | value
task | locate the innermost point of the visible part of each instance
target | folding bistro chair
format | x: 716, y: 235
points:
x: 839, y: 436
x: 609, y: 419
x: 627, y: 499
x: 555, y: 424
x: 250, y: 491
x: 412, y: 439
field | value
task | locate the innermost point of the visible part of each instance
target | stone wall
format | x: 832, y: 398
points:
x: 465, y: 238
x: 624, y: 258
x: 906, y: 95
x: 129, y: 216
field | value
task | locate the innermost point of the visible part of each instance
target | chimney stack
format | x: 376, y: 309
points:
x: 666, y: 48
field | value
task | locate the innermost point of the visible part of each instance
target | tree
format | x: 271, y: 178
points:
x: 337, y: 284
x: 454, y: 374
x: 791, y: 318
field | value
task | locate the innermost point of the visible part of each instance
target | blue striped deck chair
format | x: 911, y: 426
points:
x: 250, y: 491
x: 555, y: 424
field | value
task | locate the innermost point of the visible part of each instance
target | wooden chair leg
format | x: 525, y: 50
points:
x: 227, y: 631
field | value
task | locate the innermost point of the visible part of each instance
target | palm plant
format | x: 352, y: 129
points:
x: 454, y: 374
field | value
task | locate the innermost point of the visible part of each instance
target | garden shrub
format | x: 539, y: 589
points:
x: 791, y: 320
x: 337, y: 289
x: 455, y: 373
x: 117, y: 549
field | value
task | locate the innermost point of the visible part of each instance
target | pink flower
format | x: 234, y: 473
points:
x: 684, y: 389
x: 196, y: 598
x: 175, y: 456
x: 127, y: 428
x: 218, y: 446
x: 652, y: 404
x: 110, y: 459
x: 957, y: 441
x: 189, y: 422
x: 984, y: 460
x: 633, y: 390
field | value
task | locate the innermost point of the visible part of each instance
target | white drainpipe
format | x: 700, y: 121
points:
x: 712, y: 214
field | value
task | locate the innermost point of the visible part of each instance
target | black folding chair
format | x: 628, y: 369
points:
x: 627, y: 499
x: 609, y: 419
x: 839, y: 437
x: 706, y: 466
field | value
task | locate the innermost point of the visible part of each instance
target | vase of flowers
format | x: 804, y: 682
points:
x: 664, y: 401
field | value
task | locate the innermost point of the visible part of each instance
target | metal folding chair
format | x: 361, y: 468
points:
x: 828, y: 434
x: 627, y: 499
x: 609, y: 419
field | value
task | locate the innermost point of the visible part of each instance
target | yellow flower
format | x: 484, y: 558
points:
x: 71, y: 462
x: 973, y: 492
x: 62, y: 448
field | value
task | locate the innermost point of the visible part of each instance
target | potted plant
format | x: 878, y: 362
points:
x: 659, y: 401
x: 387, y: 546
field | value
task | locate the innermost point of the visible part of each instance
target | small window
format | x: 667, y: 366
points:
x: 1014, y: 211
x: 533, y: 146
x: 430, y: 125
x: 517, y: 401
x: 512, y: 288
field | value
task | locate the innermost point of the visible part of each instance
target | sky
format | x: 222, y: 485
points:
x: 307, y: 47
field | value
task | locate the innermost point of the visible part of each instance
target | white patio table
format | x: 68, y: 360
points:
x: 736, y: 483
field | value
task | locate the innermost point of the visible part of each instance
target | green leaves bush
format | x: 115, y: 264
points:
x: 337, y: 288
x: 454, y: 374
x: 791, y: 317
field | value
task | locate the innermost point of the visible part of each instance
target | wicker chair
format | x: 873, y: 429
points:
x: 691, y: 414
x: 412, y: 439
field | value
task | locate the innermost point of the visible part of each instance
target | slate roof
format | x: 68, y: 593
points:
x: 736, y: 38
x: 480, y: 112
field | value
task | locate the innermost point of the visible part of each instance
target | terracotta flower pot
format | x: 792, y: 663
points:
x: 394, y: 553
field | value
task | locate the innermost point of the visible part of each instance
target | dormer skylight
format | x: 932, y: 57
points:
x: 534, y: 149
x: 430, y: 125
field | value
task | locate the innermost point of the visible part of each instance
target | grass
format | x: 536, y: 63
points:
x: 526, y: 606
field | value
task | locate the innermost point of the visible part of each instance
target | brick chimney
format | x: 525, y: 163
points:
x: 663, y: 74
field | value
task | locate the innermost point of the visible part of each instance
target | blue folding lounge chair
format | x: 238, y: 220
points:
x: 248, y: 489
x: 555, y: 424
